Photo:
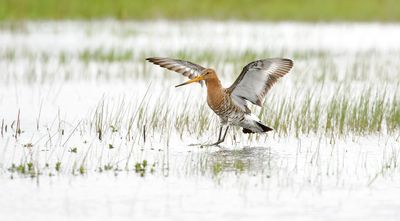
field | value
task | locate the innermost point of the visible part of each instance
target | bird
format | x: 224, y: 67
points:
x: 232, y: 104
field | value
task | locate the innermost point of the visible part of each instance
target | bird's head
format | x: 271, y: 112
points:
x: 205, y: 75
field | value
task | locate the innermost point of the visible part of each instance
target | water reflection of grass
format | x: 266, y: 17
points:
x: 207, y: 161
x: 250, y: 160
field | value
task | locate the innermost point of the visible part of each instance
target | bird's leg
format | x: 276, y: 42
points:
x: 220, y: 132
x: 219, y: 137
x: 226, y: 130
x: 220, y: 140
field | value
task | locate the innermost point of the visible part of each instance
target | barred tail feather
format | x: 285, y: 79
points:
x: 261, y: 126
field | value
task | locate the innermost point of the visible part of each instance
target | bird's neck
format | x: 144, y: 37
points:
x: 215, y: 94
x: 213, y: 85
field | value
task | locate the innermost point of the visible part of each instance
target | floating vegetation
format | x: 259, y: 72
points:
x: 143, y: 168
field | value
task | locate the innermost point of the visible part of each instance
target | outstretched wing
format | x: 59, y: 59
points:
x: 256, y: 79
x: 186, y: 68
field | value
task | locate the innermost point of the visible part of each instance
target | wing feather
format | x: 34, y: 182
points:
x: 186, y: 68
x: 257, y: 78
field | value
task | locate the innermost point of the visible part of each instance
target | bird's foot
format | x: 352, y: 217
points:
x: 208, y: 145
x: 195, y: 144
x: 213, y: 144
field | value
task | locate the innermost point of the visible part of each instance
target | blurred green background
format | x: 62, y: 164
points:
x: 303, y: 10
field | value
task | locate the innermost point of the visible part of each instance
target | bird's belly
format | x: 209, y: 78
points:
x: 236, y: 119
x: 229, y: 114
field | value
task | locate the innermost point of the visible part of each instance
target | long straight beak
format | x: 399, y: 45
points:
x: 197, y: 79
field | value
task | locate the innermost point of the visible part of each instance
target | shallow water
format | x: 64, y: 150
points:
x: 277, y: 181
x: 128, y: 197
x: 65, y: 84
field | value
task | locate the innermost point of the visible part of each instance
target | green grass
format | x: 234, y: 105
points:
x: 339, y: 114
x: 299, y: 113
x: 305, y: 10
x: 103, y: 56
